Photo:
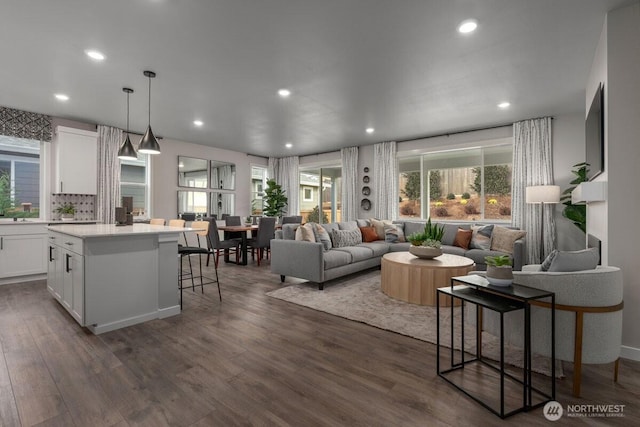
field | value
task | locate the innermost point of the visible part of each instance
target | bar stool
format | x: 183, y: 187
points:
x: 187, y: 251
x: 157, y: 221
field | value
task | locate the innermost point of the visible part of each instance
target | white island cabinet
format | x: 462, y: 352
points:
x: 109, y: 277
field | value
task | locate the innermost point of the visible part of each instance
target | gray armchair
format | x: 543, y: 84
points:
x: 588, y: 317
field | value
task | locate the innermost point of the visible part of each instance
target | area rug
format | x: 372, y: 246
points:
x: 359, y: 298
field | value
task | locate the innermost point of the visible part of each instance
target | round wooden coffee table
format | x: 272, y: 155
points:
x: 411, y: 279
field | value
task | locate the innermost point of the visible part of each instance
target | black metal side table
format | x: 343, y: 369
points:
x: 477, y: 290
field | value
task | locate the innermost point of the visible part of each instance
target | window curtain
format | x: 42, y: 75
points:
x: 285, y: 171
x: 23, y: 124
x: 349, y: 183
x: 532, y: 165
x: 385, y: 180
x: 108, y: 197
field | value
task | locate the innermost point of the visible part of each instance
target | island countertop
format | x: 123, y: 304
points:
x: 105, y: 230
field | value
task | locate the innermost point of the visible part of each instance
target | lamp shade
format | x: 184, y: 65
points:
x: 149, y: 143
x: 542, y: 194
x: 126, y: 151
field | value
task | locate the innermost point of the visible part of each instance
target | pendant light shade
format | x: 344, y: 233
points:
x: 126, y: 151
x: 149, y: 143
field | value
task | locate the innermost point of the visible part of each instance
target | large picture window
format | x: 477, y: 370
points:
x: 458, y: 185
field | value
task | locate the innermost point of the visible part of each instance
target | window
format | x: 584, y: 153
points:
x: 258, y: 182
x: 461, y: 185
x: 307, y: 194
x: 321, y: 191
x: 134, y: 182
x: 19, y: 177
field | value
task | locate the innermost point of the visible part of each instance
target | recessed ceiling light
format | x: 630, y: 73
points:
x: 284, y: 93
x: 288, y: 145
x: 198, y: 122
x: 61, y: 97
x: 467, y: 26
x: 504, y: 105
x: 370, y: 130
x: 94, y: 54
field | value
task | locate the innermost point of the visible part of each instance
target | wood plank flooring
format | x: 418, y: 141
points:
x: 248, y: 360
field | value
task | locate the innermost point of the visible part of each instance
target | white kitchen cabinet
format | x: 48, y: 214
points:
x: 76, y: 153
x: 65, y: 275
x: 54, y: 270
x: 73, y: 284
x: 23, y: 250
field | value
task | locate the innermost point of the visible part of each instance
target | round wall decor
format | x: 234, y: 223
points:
x: 365, y: 204
x: 366, y: 191
x: 365, y: 179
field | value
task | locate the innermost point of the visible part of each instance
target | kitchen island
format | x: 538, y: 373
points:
x: 108, y: 277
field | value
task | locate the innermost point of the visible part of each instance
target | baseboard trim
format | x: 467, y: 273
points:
x: 22, y: 279
x: 168, y: 312
x: 630, y: 353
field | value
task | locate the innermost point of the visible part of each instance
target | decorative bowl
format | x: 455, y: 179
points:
x: 425, y: 252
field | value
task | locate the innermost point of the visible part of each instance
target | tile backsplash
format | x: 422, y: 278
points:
x: 84, y: 203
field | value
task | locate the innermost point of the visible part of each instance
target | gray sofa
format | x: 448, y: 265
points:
x: 309, y: 260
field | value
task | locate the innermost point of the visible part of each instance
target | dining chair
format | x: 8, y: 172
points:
x: 292, y: 219
x: 262, y: 241
x: 157, y: 221
x: 216, y: 245
x: 236, y: 236
x: 201, y: 248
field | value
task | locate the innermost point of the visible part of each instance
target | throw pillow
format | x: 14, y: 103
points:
x: 379, y: 226
x: 481, y: 238
x: 343, y: 238
x: 548, y: 260
x: 323, y: 237
x: 463, y: 238
x: 368, y: 234
x: 586, y: 259
x: 502, y: 239
x: 305, y: 233
x: 394, y: 233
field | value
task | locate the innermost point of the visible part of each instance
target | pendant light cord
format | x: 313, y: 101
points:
x: 127, y: 113
x: 149, y: 101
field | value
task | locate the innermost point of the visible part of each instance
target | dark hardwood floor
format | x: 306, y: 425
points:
x: 248, y: 360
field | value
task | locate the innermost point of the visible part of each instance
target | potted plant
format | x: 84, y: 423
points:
x: 274, y: 199
x: 499, y: 270
x: 427, y: 244
x: 66, y: 211
x: 247, y: 220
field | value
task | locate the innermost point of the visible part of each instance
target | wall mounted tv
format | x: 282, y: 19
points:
x: 594, y: 135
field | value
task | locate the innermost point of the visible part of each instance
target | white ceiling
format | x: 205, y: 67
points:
x: 399, y: 66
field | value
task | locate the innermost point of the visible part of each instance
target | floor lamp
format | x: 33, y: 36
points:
x: 542, y: 194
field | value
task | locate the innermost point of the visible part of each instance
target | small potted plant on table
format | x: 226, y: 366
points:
x: 499, y: 270
x: 427, y: 244
x: 67, y: 211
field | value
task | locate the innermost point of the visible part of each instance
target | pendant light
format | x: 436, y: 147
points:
x: 149, y: 143
x: 126, y: 151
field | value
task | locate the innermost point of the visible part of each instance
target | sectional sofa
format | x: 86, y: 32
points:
x: 311, y: 261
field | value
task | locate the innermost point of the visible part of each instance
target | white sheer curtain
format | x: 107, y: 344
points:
x: 349, y: 183
x: 532, y: 165
x: 385, y: 181
x: 108, y: 197
x: 285, y: 171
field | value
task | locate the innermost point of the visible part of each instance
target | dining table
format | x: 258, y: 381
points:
x: 242, y: 229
